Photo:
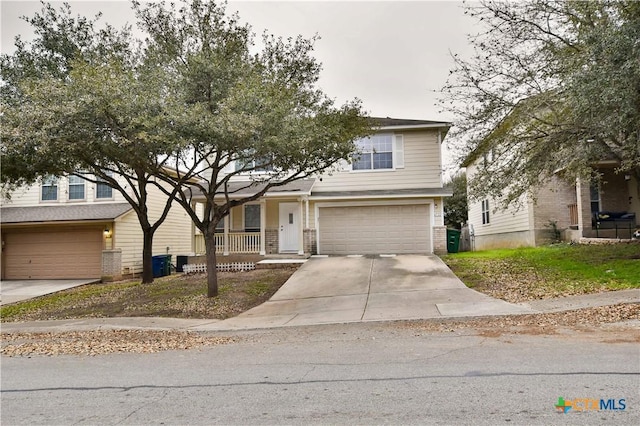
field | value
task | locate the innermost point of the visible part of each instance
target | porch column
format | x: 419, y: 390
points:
x: 306, y: 216
x: 300, y: 227
x: 579, y: 203
x: 263, y: 223
x: 193, y: 229
x: 225, y: 237
x: 583, y: 201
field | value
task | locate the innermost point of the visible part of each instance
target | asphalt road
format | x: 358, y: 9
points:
x: 337, y: 374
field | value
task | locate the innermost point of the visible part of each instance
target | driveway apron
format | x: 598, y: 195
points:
x: 17, y: 290
x: 351, y: 289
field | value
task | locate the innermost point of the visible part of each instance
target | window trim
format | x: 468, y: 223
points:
x: 80, y: 182
x: 254, y: 165
x: 486, y: 218
x: 244, y: 217
x: 100, y: 181
x: 50, y: 181
x: 395, y: 161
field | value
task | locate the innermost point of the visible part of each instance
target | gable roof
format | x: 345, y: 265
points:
x: 82, y: 212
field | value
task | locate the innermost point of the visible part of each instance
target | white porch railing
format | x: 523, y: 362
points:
x: 239, y: 243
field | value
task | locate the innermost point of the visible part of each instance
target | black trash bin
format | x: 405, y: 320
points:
x: 180, y: 262
x: 453, y: 240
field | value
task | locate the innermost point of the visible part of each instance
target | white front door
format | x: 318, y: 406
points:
x: 289, y: 227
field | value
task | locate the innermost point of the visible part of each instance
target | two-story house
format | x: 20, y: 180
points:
x: 559, y: 209
x: 387, y: 201
x: 68, y: 227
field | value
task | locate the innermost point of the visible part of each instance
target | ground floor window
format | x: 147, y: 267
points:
x: 251, y: 217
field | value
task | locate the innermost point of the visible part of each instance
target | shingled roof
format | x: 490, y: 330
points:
x: 72, y: 213
x: 240, y: 189
x: 398, y: 122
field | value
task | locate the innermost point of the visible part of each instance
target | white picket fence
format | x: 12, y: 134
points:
x: 201, y: 268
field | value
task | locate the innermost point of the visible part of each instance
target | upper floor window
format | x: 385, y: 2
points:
x: 374, y: 153
x: 76, y: 188
x: 49, y: 189
x: 103, y: 190
x: 485, y: 212
x: 254, y: 165
x: 488, y: 157
x: 384, y: 151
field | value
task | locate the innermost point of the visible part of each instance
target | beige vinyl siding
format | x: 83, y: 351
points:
x: 175, y: 233
x: 502, y: 220
x: 127, y: 237
x: 27, y: 196
x: 30, y: 196
x: 422, y: 168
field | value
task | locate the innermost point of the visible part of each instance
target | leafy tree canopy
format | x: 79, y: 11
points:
x: 553, y: 85
x: 236, y: 110
x: 455, y: 207
x: 194, y: 105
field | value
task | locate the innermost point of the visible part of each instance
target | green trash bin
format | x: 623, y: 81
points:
x: 453, y: 240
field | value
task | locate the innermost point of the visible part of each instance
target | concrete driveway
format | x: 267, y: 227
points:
x: 350, y: 289
x: 16, y: 290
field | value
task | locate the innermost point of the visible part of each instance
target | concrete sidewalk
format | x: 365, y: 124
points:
x: 347, y: 289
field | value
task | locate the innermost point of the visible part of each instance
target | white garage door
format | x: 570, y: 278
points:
x: 53, y: 254
x: 375, y: 229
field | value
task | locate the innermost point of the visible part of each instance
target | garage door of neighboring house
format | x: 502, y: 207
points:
x: 53, y: 254
x: 392, y: 229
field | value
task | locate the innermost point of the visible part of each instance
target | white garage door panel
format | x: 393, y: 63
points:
x: 58, y: 254
x: 375, y: 229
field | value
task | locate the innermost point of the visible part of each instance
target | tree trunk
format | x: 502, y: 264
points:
x: 147, y: 251
x: 212, y: 272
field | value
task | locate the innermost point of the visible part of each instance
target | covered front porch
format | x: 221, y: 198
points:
x: 277, y: 223
x: 607, y: 210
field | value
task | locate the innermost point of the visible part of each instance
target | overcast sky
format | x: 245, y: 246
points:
x: 392, y: 55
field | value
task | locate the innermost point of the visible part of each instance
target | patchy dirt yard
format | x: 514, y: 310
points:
x: 177, y: 296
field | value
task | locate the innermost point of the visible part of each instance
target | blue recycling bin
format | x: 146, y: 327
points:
x: 161, y: 265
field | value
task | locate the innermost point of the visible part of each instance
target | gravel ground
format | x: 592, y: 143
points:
x: 100, y: 342
x: 588, y: 318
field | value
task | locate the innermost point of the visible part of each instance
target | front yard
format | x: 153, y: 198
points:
x: 545, y: 272
x: 513, y: 275
x: 178, y: 296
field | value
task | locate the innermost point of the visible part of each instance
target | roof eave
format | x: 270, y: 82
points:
x: 442, y: 125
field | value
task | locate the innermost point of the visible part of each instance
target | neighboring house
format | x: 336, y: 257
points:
x: 387, y: 201
x: 70, y: 228
x: 569, y: 211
